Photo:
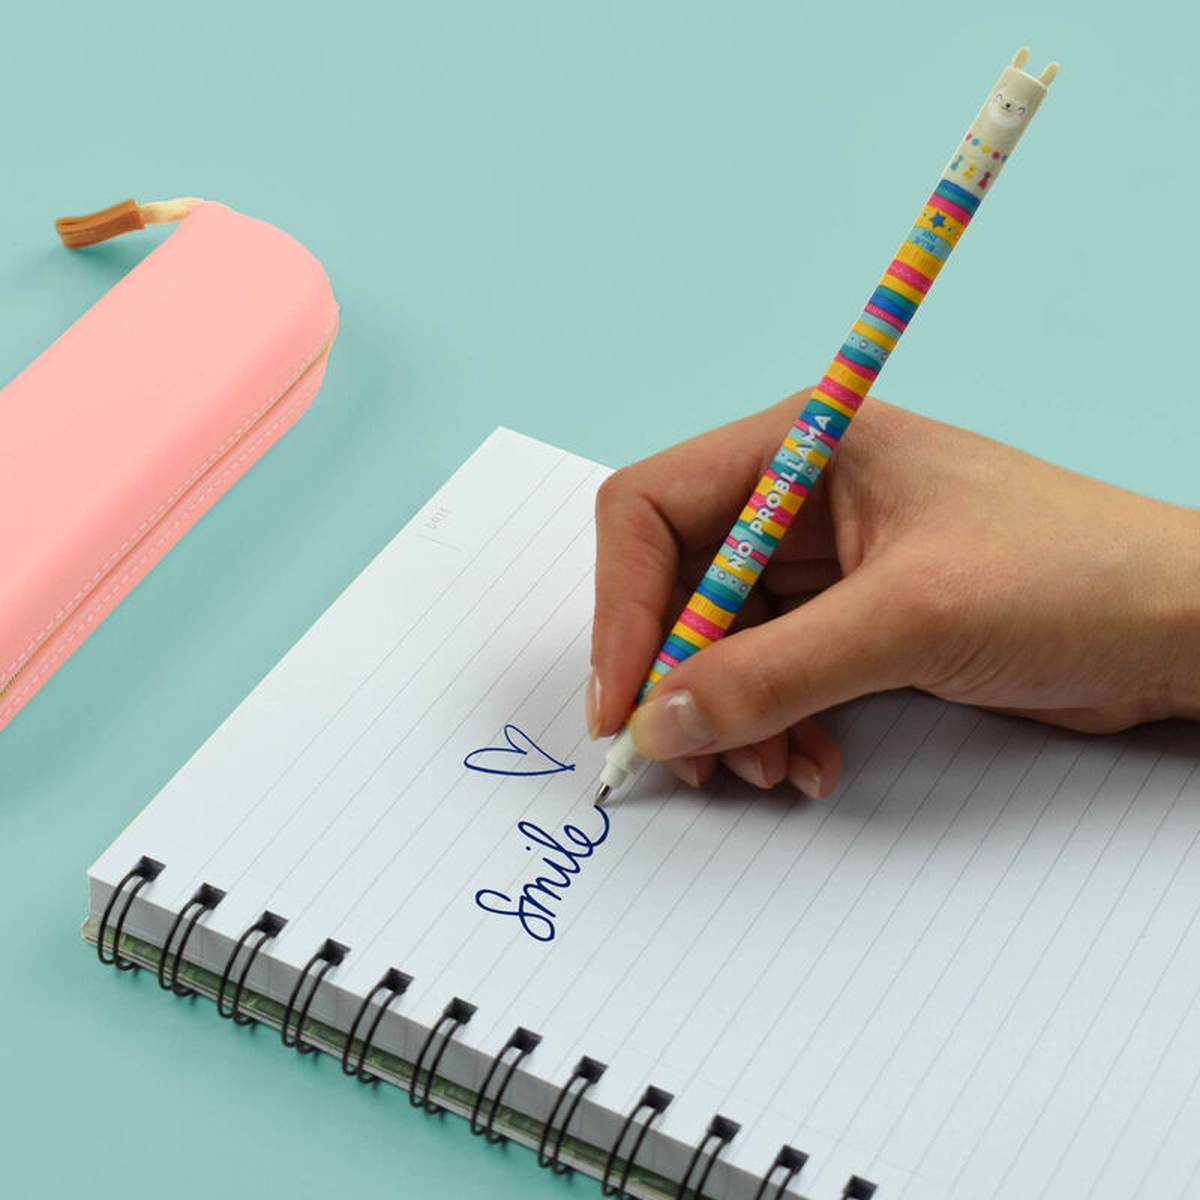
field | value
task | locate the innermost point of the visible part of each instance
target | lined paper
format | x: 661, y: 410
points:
x: 970, y: 972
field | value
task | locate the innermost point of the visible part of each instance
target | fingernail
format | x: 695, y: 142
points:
x: 805, y: 776
x: 671, y: 727
x: 689, y: 771
x: 747, y: 764
x: 593, y: 705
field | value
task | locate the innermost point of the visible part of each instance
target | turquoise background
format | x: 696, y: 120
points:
x: 607, y: 225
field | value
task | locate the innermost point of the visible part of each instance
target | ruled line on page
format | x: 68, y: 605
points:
x: 868, y: 1087
x: 949, y: 964
x: 1081, y: 964
x: 1190, y: 1097
x: 1033, y: 967
x: 854, y: 972
x: 1014, y: 927
x: 1152, y: 994
x: 818, y: 1096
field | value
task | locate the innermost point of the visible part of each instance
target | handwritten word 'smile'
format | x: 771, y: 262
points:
x: 536, y: 905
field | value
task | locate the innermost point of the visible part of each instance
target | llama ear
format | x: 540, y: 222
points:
x: 1048, y: 74
x: 1020, y: 58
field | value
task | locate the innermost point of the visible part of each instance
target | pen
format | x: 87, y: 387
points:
x: 968, y: 177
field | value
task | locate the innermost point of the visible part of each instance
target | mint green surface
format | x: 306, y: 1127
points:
x: 607, y: 225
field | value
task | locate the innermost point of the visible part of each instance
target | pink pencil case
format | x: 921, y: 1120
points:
x: 119, y: 437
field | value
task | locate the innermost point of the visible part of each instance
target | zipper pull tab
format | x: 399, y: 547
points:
x: 125, y: 217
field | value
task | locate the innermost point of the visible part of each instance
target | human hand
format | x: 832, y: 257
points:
x: 927, y: 557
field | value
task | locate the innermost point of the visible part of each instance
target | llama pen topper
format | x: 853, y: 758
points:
x: 996, y: 130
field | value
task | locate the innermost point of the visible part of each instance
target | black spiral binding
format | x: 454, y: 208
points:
x: 721, y: 1131
x: 395, y: 984
x: 329, y: 955
x: 588, y: 1070
x: 269, y: 926
x: 656, y: 1101
x: 145, y: 870
x: 524, y: 1042
x: 204, y: 899
x: 455, y: 1015
x: 791, y: 1162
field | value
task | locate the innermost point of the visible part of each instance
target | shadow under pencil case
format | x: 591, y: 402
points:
x: 122, y: 434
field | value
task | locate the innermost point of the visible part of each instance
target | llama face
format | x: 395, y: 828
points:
x: 1006, y: 110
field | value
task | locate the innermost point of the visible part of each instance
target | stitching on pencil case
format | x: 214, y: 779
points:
x: 149, y: 521
x: 75, y: 635
x: 72, y: 636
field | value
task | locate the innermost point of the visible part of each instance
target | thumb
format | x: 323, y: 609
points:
x: 849, y: 640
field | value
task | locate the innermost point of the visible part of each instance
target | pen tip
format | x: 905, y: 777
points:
x: 603, y: 793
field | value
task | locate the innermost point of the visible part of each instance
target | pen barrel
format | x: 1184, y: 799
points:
x: 969, y: 176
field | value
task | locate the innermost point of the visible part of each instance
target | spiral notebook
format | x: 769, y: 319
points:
x: 971, y: 972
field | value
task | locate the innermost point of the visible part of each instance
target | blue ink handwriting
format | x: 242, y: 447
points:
x: 522, y: 756
x: 533, y: 906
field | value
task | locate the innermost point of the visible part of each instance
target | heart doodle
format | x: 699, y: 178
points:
x: 523, y: 754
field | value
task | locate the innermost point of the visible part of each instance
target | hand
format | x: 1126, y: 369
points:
x: 927, y: 557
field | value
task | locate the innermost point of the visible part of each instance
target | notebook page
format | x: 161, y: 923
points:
x: 968, y: 972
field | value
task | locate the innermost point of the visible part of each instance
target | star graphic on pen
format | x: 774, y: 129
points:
x: 937, y: 220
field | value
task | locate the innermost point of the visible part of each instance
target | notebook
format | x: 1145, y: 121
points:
x: 971, y: 972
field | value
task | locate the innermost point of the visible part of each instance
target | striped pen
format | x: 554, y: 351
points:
x: 796, y: 467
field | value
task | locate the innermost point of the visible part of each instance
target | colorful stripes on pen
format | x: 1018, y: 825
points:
x: 810, y: 442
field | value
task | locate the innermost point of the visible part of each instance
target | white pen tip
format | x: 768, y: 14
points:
x: 603, y: 793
